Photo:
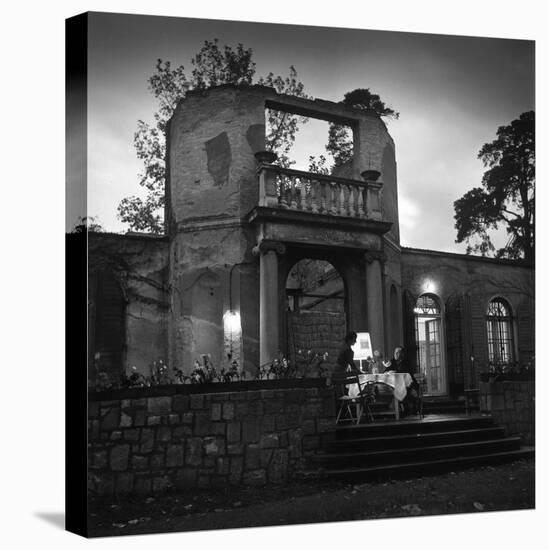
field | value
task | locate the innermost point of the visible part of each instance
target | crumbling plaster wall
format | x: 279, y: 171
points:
x: 139, y: 265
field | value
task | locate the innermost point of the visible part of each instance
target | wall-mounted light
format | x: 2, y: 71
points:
x: 232, y: 321
x: 429, y: 286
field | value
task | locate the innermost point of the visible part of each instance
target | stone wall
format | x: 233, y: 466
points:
x: 511, y: 403
x: 140, y: 444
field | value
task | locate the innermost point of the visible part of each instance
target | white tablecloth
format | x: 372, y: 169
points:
x: 399, y: 381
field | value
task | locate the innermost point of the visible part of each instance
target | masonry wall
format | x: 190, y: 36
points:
x: 143, y: 445
x: 474, y: 281
x: 138, y: 264
x: 511, y: 403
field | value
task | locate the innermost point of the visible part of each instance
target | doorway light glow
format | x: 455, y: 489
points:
x: 429, y: 286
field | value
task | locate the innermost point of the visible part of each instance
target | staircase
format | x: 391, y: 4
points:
x: 414, y: 446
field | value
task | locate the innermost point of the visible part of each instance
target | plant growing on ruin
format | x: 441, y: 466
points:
x: 340, y: 138
x: 506, y: 197
x: 211, y: 66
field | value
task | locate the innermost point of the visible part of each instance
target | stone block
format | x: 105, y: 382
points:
x: 139, y: 403
x: 193, y: 452
x: 280, y: 423
x: 233, y: 432
x: 253, y: 395
x: 268, y: 423
x: 163, y: 433
x: 110, y: 418
x: 154, y: 420
x: 252, y: 457
x: 203, y: 481
x: 187, y: 418
x: 267, y: 394
x: 269, y: 441
x: 159, y: 405
x: 214, y: 446
x: 173, y: 419
x: 278, y: 468
x: 273, y: 406
x: 157, y: 461
x: 147, y: 440
x: 99, y: 459
x: 105, y: 484
x: 131, y: 435
x: 228, y: 411
x: 94, y: 431
x: 219, y: 428
x: 115, y: 436
x: 174, y: 456
x: 180, y: 433
x: 119, y: 457
x: 255, y: 408
x: 216, y: 411
x: 222, y: 465
x: 324, y: 425
x: 142, y: 486
x: 311, y: 443
x: 140, y: 462
x: 139, y: 418
x: 197, y: 401
x: 180, y: 403
x: 235, y: 448
x: 93, y: 409
x: 242, y: 408
x: 294, y: 396
x: 161, y: 484
x: 254, y: 478
x: 309, y: 426
x: 250, y: 429
x: 293, y: 416
x: 124, y: 483
x: 236, y: 467
x: 186, y: 478
x: 265, y: 457
x: 283, y: 439
x: 202, y: 424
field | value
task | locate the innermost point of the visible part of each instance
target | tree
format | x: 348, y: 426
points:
x: 506, y: 197
x: 212, y: 66
x: 340, y: 139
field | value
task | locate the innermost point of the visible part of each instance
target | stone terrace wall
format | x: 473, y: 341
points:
x: 511, y: 403
x: 142, y: 445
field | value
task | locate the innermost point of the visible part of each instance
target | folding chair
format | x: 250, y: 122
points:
x: 360, y: 396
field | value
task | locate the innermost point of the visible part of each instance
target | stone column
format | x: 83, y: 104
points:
x: 374, y: 295
x: 268, y: 299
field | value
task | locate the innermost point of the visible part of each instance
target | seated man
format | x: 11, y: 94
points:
x: 399, y: 364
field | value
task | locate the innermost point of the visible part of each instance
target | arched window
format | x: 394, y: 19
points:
x: 499, y: 325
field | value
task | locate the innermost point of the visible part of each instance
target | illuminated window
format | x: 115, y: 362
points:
x: 499, y: 324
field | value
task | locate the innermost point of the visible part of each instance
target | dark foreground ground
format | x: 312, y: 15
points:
x: 505, y: 487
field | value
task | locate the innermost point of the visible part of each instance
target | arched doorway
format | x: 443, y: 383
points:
x: 430, y: 351
x: 316, y: 316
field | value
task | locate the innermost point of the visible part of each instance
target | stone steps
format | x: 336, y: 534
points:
x: 415, y: 447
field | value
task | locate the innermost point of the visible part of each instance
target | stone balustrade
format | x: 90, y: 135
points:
x: 318, y: 193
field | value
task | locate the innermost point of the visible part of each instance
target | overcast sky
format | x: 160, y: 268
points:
x: 452, y: 94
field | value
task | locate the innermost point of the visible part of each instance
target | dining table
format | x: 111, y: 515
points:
x: 397, y: 381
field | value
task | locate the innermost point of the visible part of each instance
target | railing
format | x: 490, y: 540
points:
x: 318, y: 193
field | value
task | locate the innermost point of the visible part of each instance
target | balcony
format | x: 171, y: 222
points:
x: 295, y: 190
